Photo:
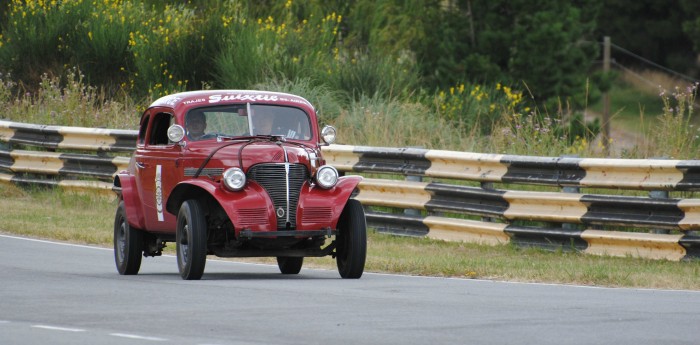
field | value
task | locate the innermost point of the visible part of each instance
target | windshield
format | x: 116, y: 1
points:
x: 247, y: 120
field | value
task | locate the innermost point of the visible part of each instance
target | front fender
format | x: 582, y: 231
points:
x: 320, y: 208
x: 132, y: 202
x: 249, y: 208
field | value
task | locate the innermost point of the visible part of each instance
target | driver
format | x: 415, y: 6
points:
x: 196, y: 125
x: 262, y: 121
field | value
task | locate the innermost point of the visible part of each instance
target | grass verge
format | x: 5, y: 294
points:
x: 87, y: 219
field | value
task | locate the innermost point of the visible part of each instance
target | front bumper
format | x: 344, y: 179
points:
x: 249, y: 234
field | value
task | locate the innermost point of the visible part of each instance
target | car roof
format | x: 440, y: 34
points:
x: 191, y: 99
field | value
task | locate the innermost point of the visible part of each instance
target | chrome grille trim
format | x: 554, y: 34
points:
x: 205, y: 171
x: 275, y: 177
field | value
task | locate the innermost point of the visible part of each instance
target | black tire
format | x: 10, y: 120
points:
x: 290, y: 264
x: 128, y: 244
x: 191, y: 240
x: 351, y: 246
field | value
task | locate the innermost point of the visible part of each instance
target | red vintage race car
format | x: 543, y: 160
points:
x: 236, y: 174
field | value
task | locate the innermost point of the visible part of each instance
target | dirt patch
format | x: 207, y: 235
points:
x: 623, y: 139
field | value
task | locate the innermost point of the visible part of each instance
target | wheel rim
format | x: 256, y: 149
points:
x: 184, y: 246
x: 121, y: 241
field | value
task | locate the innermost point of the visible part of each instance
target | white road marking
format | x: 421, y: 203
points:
x: 54, y: 242
x: 134, y: 336
x: 55, y: 328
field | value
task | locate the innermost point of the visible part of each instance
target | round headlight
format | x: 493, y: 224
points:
x: 326, y: 176
x: 328, y: 134
x: 234, y: 179
x: 176, y: 133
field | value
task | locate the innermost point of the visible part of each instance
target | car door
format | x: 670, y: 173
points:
x: 156, y: 173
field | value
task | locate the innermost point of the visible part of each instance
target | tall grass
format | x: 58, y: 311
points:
x: 374, y: 121
x: 676, y: 136
x: 442, y: 122
x: 68, y: 103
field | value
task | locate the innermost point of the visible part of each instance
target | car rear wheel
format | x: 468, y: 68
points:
x: 191, y: 240
x: 351, y: 247
x: 289, y: 264
x: 128, y: 244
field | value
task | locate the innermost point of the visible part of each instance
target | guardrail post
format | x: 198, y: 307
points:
x: 487, y: 186
x: 413, y: 178
x: 570, y: 189
x: 410, y: 211
x: 659, y: 194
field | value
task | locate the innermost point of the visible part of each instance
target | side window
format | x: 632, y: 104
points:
x: 142, y: 130
x: 159, y: 130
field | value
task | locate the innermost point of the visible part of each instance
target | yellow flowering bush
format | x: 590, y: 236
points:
x: 478, y: 105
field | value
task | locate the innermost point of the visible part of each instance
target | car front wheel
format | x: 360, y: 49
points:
x: 191, y: 240
x: 351, y: 246
x: 128, y: 244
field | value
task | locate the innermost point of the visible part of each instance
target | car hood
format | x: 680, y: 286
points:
x: 249, y: 154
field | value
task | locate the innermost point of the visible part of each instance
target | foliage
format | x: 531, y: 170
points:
x: 533, y: 134
x: 516, y: 42
x: 35, y: 39
x: 67, y: 103
x: 376, y: 122
x: 655, y: 29
x: 325, y: 100
x: 458, y: 68
x: 372, y: 75
x: 478, y: 106
x: 676, y: 136
x: 387, y: 47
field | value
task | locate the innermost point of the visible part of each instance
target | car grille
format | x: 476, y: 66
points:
x: 273, y: 177
x: 317, y: 214
x: 251, y: 216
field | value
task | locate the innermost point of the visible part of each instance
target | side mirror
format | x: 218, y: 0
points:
x: 176, y: 133
x: 328, y: 134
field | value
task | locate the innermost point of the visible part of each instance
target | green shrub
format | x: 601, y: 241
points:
x: 100, y: 44
x: 477, y: 106
x: 371, y: 75
x: 36, y: 37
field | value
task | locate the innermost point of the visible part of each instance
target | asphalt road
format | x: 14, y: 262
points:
x: 52, y: 293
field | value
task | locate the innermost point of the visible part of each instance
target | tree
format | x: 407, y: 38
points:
x: 541, y: 43
x: 654, y: 30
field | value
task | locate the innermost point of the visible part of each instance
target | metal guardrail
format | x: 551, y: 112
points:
x: 641, y: 174
x: 585, y: 222
x: 70, y: 138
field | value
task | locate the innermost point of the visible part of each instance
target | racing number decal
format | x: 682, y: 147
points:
x: 159, y: 193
